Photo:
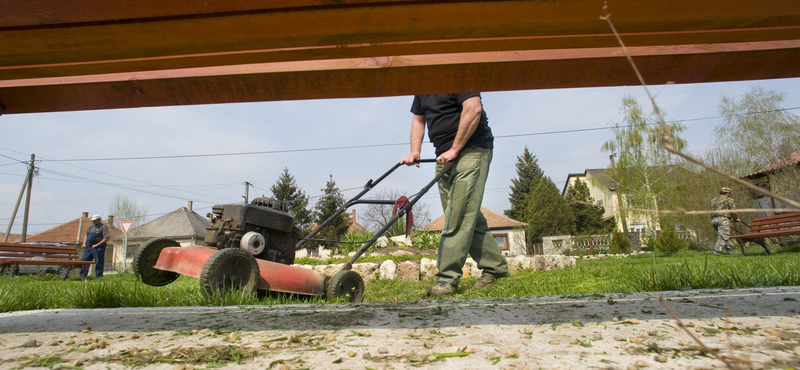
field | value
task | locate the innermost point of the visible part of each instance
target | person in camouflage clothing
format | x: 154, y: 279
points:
x: 721, y: 221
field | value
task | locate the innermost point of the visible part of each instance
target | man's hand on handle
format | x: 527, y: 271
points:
x: 447, y: 157
x: 410, y: 159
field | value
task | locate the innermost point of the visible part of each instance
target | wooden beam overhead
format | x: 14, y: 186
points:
x: 89, y: 54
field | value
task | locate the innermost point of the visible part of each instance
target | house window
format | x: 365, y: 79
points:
x: 758, y: 194
x: 502, y: 241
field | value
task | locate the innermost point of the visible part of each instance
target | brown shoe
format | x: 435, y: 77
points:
x: 443, y: 288
x: 485, y: 282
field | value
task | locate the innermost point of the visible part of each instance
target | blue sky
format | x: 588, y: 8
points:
x: 352, y: 139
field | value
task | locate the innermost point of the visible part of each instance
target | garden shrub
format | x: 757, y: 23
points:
x: 668, y: 243
x: 619, y: 243
x: 697, y: 246
x: 352, y: 242
x: 426, y: 240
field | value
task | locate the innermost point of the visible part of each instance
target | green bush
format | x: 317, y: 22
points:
x: 668, y: 243
x: 426, y: 240
x: 352, y: 242
x: 619, y: 243
x: 697, y: 246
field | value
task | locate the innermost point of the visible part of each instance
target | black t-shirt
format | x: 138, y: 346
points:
x: 442, y: 114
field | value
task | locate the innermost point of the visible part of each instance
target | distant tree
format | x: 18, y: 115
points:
x: 125, y: 209
x: 697, y: 187
x: 375, y: 216
x: 326, y: 206
x: 587, y: 215
x: 755, y: 132
x: 546, y: 212
x: 286, y: 190
x: 643, y: 170
x: 528, y: 175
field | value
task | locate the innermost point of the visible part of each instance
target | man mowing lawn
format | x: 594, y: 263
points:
x: 459, y: 130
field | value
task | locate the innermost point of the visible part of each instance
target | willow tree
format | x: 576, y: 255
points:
x: 644, y: 171
x: 755, y: 132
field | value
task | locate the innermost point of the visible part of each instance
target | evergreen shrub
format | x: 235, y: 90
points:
x: 668, y: 243
x: 619, y: 243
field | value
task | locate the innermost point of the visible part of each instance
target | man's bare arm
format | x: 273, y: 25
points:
x: 470, y: 117
x: 417, y: 134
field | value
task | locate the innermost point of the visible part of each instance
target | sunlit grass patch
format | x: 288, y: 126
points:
x: 638, y: 273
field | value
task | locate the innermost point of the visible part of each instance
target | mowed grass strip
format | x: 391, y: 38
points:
x: 636, y: 273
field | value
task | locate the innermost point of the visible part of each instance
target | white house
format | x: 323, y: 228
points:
x: 508, y: 233
x: 604, y: 191
x: 182, y: 225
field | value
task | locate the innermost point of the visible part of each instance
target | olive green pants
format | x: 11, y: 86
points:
x: 465, y: 230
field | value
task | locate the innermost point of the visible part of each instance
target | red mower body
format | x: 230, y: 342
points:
x: 273, y: 276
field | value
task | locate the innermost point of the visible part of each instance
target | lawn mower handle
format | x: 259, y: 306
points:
x: 367, y: 187
x: 400, y: 213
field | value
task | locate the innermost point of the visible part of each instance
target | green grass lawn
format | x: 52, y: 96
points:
x: 638, y: 273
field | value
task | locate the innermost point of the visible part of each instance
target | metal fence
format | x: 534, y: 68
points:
x: 592, y: 244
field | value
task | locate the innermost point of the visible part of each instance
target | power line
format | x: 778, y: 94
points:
x: 112, y: 184
x: 131, y: 187
x: 134, y: 180
x: 226, y: 154
x: 305, y: 150
x: 44, y: 200
x: 17, y: 161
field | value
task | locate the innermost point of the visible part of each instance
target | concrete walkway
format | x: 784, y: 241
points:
x: 610, y: 331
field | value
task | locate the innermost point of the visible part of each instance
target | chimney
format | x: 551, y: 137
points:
x: 354, y: 215
x: 80, y: 226
x: 190, y: 205
x: 110, y: 220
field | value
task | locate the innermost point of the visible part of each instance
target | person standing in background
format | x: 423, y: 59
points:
x: 94, y: 247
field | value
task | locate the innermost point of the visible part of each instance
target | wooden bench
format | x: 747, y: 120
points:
x: 13, y: 255
x: 786, y: 224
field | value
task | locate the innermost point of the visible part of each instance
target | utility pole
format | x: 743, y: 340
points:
x: 246, y: 192
x: 26, y: 185
x: 619, y: 198
x: 31, y: 169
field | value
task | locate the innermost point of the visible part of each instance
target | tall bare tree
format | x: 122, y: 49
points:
x: 125, y: 209
x: 375, y: 216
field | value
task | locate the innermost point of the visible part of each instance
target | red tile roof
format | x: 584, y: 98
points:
x: 12, y: 238
x: 68, y: 233
x: 793, y: 159
x: 494, y: 219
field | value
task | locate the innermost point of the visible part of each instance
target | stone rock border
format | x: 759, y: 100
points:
x: 426, y: 267
x: 618, y: 255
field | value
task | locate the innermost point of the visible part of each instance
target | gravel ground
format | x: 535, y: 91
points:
x: 609, y: 331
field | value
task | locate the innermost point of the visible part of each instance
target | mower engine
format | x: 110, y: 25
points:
x: 264, y: 228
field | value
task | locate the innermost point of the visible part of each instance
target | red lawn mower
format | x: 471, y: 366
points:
x: 252, y: 246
